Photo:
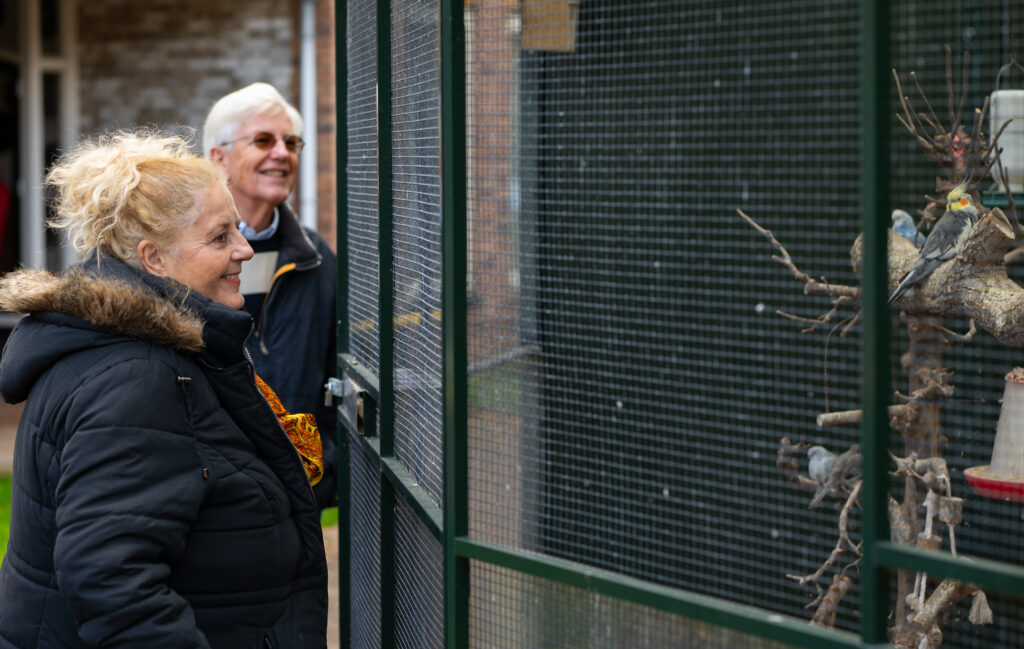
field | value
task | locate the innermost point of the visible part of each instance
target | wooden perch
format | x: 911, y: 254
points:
x: 931, y: 471
x: 946, y: 594
x: 973, y: 285
x: 825, y: 616
x: 853, y: 416
x: 901, y: 528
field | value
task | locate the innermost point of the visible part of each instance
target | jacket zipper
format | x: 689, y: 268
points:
x: 278, y: 274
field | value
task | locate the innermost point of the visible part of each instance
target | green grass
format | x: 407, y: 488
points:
x: 328, y: 518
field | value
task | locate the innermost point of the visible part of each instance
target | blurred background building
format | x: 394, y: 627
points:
x: 70, y: 69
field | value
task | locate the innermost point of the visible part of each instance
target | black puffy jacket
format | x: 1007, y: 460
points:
x: 156, y: 500
x: 293, y: 347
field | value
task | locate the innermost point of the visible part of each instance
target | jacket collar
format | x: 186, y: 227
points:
x: 295, y: 243
x: 113, y: 296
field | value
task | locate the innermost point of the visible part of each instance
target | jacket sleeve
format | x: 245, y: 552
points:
x: 130, y: 486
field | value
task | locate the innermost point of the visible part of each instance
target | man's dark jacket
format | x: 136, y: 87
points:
x: 157, y: 502
x: 293, y: 346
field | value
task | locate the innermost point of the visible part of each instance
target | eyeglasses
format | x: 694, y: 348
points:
x: 265, y: 141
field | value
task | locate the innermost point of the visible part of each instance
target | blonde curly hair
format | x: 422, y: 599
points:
x: 113, y: 191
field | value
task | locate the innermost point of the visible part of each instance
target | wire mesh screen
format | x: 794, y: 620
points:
x: 364, y: 570
x: 419, y: 591
x: 651, y: 391
x: 416, y: 103
x: 632, y: 377
x: 663, y: 298
x: 514, y: 610
x: 959, y: 469
x: 361, y: 174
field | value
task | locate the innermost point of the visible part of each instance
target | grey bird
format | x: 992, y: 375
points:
x: 819, y: 462
x: 960, y: 216
x: 836, y: 475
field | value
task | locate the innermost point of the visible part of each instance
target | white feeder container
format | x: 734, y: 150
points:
x: 1006, y: 105
x: 1004, y: 477
x: 1008, y: 450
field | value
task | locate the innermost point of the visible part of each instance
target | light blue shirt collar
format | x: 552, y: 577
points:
x: 253, y: 235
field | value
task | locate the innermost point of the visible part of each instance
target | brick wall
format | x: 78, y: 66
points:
x: 164, y: 62
x: 326, y: 118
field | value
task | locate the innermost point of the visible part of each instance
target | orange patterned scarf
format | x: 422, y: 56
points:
x: 303, y: 432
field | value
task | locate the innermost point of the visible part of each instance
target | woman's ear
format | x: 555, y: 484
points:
x: 151, y: 258
x: 217, y: 154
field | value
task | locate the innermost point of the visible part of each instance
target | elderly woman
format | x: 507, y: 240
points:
x: 289, y: 286
x: 158, y: 502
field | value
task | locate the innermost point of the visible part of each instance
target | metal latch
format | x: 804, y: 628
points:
x: 333, y: 387
x: 351, y: 396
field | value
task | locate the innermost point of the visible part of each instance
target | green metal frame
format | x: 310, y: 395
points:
x: 341, y: 301
x: 385, y: 305
x: 453, y: 325
x: 874, y: 172
x: 450, y: 526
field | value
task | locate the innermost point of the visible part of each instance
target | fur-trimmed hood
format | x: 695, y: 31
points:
x: 105, y: 303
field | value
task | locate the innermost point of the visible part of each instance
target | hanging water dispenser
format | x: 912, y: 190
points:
x: 1004, y: 477
x: 1007, y: 104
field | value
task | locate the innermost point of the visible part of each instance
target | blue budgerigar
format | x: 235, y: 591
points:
x: 940, y: 247
x: 904, y: 224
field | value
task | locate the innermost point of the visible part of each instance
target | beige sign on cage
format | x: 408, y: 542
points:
x: 549, y: 25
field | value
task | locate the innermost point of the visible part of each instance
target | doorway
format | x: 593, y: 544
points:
x: 9, y: 153
x: 38, y: 117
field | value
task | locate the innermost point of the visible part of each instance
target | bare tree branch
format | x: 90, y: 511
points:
x: 842, y: 542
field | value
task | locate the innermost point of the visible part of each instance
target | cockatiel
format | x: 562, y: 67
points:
x: 940, y: 247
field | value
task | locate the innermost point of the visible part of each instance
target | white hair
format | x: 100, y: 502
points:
x: 231, y: 110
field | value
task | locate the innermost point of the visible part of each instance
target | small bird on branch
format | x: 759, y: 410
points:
x: 904, y: 224
x: 819, y: 462
x: 837, y: 474
x: 940, y: 247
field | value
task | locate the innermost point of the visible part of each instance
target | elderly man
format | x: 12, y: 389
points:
x: 289, y: 285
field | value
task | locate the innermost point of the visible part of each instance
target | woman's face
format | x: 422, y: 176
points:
x: 209, y: 254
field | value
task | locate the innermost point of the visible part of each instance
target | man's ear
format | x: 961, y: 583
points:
x: 217, y: 154
x: 151, y: 258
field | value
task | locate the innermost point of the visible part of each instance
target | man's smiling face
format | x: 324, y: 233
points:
x: 260, y: 178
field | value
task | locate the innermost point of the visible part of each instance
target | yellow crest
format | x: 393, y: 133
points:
x: 957, y: 193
